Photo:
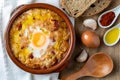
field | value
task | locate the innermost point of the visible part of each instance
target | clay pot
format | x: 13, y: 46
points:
x: 57, y: 67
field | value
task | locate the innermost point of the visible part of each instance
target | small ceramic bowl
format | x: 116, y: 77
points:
x: 118, y: 38
x: 18, y: 11
x: 115, y: 10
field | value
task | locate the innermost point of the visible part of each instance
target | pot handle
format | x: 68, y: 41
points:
x: 14, y: 10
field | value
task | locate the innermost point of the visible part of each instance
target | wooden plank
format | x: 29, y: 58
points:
x: 114, y: 51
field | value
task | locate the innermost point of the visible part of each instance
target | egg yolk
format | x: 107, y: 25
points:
x: 39, y: 39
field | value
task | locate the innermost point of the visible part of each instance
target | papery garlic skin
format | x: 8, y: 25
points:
x: 91, y: 23
x: 82, y: 56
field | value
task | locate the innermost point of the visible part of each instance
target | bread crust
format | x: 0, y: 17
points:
x: 97, y: 7
x: 76, y: 8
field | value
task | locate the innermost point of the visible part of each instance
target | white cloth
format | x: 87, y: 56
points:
x: 8, y: 70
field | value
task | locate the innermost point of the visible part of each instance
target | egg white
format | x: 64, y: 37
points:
x: 39, y: 51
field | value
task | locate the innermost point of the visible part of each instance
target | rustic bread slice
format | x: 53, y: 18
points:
x: 97, y: 7
x: 76, y: 8
x: 62, y: 4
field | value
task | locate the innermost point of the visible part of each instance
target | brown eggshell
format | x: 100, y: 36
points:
x: 90, y: 39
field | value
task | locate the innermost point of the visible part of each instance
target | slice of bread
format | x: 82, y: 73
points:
x: 76, y: 8
x: 97, y: 7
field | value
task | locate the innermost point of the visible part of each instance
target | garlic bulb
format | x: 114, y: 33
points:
x: 91, y: 23
x: 82, y: 57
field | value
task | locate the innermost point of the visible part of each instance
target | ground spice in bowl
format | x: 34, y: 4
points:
x: 107, y: 18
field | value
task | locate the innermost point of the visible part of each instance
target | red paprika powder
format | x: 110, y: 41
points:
x: 107, y: 18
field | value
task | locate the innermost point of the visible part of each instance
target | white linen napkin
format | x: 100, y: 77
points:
x: 8, y: 70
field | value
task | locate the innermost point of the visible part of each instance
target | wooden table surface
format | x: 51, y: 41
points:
x: 114, y: 51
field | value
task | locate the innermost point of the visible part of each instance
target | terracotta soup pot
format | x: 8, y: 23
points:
x: 58, y: 66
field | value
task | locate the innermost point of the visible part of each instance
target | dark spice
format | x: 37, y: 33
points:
x: 107, y: 18
x: 19, y: 26
x: 56, y: 25
x: 31, y: 56
x: 53, y: 52
x: 22, y: 47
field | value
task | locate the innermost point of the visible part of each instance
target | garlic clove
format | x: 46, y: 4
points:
x: 91, y: 23
x: 82, y: 57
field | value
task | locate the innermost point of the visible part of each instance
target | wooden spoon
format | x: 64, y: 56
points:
x: 98, y: 65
